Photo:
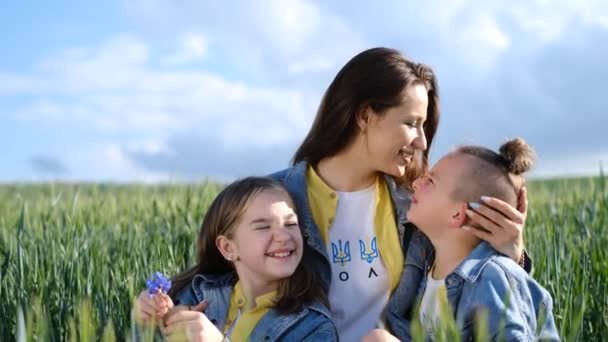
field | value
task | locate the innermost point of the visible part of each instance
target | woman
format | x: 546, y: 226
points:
x: 351, y: 177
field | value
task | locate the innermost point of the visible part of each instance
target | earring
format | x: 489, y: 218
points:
x: 231, y: 258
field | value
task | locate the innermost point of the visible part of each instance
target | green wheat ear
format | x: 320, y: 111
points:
x: 481, y: 325
x: 64, y: 243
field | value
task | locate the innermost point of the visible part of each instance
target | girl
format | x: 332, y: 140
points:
x: 351, y: 180
x: 249, y: 275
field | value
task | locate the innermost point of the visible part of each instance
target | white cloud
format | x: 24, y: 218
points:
x: 484, y: 31
x: 479, y: 33
x: 156, y: 102
x: 261, y: 38
x: 149, y: 147
x: 247, y: 78
x: 115, y: 164
x: 483, y: 41
x: 547, y: 20
x: 45, y: 110
x: 312, y: 65
x: 115, y: 65
x: 13, y: 83
x: 586, y: 164
x: 193, y: 48
x: 282, y: 25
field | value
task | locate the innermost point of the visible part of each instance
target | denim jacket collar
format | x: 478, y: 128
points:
x: 202, y: 281
x: 280, y: 323
x: 217, y: 289
x: 295, y: 181
x: 472, y: 266
x: 469, y: 269
x: 401, y: 202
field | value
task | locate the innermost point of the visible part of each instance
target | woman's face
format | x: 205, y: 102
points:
x: 393, y: 137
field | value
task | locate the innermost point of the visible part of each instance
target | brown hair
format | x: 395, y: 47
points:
x: 376, y: 78
x: 221, y: 217
x: 494, y: 174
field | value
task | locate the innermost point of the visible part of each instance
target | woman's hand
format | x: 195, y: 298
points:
x: 151, y: 309
x: 190, y: 324
x: 379, y: 335
x: 502, y: 224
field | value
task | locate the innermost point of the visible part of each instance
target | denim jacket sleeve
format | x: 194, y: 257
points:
x: 547, y: 331
x: 512, y: 306
x: 325, y: 332
x: 403, y: 300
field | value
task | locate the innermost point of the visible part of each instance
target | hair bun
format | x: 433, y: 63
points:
x: 518, y: 155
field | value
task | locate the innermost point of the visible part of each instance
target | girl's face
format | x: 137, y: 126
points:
x: 392, y: 138
x: 266, y: 244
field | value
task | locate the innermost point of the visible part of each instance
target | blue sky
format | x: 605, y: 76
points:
x: 165, y: 90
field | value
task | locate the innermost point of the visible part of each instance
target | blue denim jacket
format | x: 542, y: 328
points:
x: 311, y: 323
x: 485, y: 279
x: 294, y: 179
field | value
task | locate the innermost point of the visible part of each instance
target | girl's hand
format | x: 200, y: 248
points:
x: 191, y: 324
x: 502, y: 224
x: 151, y: 309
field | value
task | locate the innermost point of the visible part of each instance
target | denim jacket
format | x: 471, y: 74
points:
x: 311, y: 323
x: 294, y: 179
x: 485, y: 279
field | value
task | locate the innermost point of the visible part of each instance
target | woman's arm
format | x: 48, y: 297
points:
x: 379, y: 335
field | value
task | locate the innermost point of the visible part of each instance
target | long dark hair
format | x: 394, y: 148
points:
x: 377, y: 78
x: 224, y: 213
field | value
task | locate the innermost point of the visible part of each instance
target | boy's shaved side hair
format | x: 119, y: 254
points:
x: 498, y: 175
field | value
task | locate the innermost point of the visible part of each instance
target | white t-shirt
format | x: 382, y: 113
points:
x: 360, y: 285
x: 430, y: 306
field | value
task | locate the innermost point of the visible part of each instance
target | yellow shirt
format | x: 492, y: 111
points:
x: 247, y: 319
x: 323, y: 202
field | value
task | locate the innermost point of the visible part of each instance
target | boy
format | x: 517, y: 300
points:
x: 453, y: 266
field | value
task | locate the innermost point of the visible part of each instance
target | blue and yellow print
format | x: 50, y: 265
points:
x: 369, y: 251
x: 340, y: 255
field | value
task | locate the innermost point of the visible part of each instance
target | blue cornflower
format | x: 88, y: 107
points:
x: 158, y: 283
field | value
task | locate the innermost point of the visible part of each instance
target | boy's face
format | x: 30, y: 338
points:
x: 432, y: 207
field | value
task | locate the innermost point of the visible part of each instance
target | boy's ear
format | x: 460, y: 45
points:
x: 459, y: 216
x: 226, y: 247
x: 364, y: 116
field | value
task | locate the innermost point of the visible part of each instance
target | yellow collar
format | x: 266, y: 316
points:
x: 323, y: 203
x: 241, y: 301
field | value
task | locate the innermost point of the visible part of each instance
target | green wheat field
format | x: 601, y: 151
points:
x: 73, y: 256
